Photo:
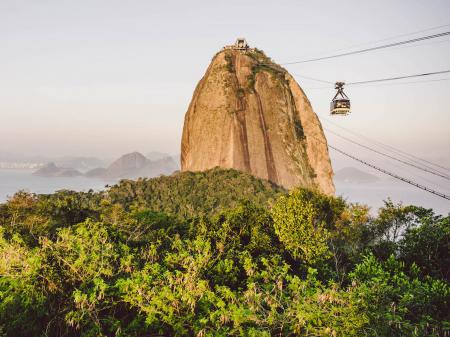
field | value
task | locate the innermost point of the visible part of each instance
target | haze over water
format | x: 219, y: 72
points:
x: 371, y: 194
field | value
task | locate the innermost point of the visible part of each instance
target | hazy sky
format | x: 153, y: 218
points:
x: 107, y: 77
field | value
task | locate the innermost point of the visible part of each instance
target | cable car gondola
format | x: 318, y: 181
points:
x: 340, y: 105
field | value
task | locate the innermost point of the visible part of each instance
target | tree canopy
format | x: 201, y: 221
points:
x: 219, y: 253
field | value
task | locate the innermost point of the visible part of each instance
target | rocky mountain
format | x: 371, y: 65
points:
x: 353, y: 175
x: 248, y: 113
x: 134, y: 165
x: 51, y: 170
x: 126, y: 166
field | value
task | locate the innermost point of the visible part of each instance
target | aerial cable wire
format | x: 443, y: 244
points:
x: 402, y: 83
x: 382, y: 84
x: 397, y: 152
x: 417, y: 176
x: 417, y: 164
x: 394, y: 44
x: 389, y: 156
x: 424, y: 44
x: 401, y: 152
x: 380, y: 79
x: 396, y: 176
x: 388, y: 38
x: 398, y: 77
x: 408, y: 181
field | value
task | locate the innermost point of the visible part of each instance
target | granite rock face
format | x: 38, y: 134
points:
x: 249, y: 114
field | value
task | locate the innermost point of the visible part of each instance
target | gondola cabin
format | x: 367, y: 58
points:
x: 340, y: 105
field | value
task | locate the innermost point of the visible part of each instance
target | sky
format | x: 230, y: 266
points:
x: 103, y: 78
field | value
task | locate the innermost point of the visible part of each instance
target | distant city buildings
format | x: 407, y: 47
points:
x: 20, y: 165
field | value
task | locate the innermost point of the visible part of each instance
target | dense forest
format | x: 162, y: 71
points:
x: 219, y: 253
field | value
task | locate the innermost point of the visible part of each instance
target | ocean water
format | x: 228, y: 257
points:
x: 371, y: 194
x: 14, y: 180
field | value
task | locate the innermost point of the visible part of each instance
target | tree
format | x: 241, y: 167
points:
x: 428, y: 246
x: 300, y: 226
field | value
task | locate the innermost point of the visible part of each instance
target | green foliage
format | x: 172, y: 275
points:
x: 35, y: 216
x: 399, y: 304
x: 210, y: 254
x: 265, y: 64
x: 275, y: 71
x: 191, y: 194
x: 428, y: 246
x: 388, y: 227
x: 300, y: 227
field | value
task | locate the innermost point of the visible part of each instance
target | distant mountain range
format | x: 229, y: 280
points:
x: 129, y: 166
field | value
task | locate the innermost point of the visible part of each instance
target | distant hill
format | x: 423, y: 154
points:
x: 188, y: 194
x: 127, y: 166
x: 51, y: 170
x: 354, y: 176
x: 135, y: 165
